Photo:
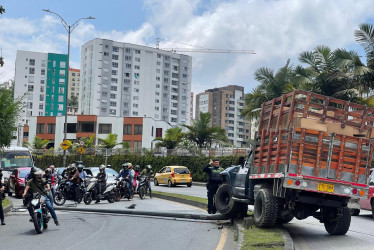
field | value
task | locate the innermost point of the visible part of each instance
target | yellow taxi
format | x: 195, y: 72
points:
x: 173, y: 175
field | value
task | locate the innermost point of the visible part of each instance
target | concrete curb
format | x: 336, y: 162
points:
x: 180, y: 200
x: 239, y: 229
x: 8, y: 208
x: 288, y: 244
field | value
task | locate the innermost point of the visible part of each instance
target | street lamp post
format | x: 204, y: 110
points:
x: 69, y: 29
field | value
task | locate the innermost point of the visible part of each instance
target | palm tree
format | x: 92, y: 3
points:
x: 271, y: 86
x: 173, y: 137
x: 109, y: 142
x: 37, y: 143
x: 203, y: 135
x: 88, y: 142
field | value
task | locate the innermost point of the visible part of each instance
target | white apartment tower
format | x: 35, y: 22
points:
x: 122, y: 79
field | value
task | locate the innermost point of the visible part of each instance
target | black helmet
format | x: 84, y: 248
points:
x: 80, y: 168
x: 32, y: 172
x: 38, y: 174
x: 126, y: 165
x: 102, y: 168
x: 109, y: 166
x: 48, y: 171
x: 137, y: 168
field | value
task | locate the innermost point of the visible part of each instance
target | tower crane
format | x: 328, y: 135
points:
x: 202, y: 50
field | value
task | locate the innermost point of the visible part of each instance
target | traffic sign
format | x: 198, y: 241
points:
x: 81, y: 150
x: 81, y: 143
x: 65, y: 144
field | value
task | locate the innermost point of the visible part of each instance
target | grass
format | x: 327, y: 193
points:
x: 6, y: 202
x: 181, y: 196
x: 262, y: 238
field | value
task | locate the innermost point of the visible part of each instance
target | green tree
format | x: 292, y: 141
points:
x: 37, y: 143
x: 109, y: 142
x: 202, y: 134
x: 9, y: 113
x: 271, y: 86
x: 173, y: 137
x: 73, y: 101
x: 88, y: 142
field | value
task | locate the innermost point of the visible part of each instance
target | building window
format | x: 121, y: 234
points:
x: 114, y: 72
x: 137, y: 51
x: 60, y: 107
x: 41, y: 106
x: 114, y: 65
x: 158, y: 132
x: 127, y: 129
x: 42, y: 72
x: 60, y: 98
x: 137, y: 144
x: 62, y: 64
x: 61, y: 90
x: 30, y: 88
x: 115, y: 49
x: 113, y: 88
x: 41, y: 98
x: 32, y: 62
x: 135, y: 105
x: 113, y: 96
x: 31, y: 71
x: 51, y: 128
x: 114, y: 80
x: 113, y: 104
x: 135, y: 113
x: 136, y: 67
x: 106, y: 53
x: 40, y: 128
x: 138, y: 129
x: 128, y: 65
x: 115, y: 57
x: 105, y: 128
x: 127, y: 58
x: 127, y: 50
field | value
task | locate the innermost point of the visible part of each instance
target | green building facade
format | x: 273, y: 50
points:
x: 57, y: 74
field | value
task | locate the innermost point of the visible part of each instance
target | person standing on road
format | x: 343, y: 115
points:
x: 2, y: 189
x: 148, y: 172
x: 215, y: 180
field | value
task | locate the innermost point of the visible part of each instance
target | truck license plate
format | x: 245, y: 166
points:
x: 329, y: 188
x: 183, y: 181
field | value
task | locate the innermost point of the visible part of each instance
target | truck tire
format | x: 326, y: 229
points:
x: 340, y: 225
x: 224, y: 202
x: 266, y: 208
x: 372, y: 208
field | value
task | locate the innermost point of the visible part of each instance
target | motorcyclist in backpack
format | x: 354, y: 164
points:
x: 101, y: 182
x: 125, y: 174
x: 39, y: 185
x: 148, y: 172
x: 73, y: 177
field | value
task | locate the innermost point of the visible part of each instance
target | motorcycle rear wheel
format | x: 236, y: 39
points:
x: 37, y: 222
x: 59, y: 198
x: 142, y: 192
x: 87, y: 199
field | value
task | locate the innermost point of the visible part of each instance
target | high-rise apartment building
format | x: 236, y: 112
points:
x: 225, y: 105
x: 73, y: 86
x: 41, y: 78
x: 122, y: 79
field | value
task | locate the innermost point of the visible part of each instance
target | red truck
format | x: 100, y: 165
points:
x: 311, y: 157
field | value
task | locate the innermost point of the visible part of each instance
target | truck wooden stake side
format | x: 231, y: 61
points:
x: 311, y: 157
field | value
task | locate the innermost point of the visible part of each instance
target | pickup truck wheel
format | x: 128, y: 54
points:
x: 335, y: 225
x: 355, y: 212
x: 223, y: 201
x: 266, y: 208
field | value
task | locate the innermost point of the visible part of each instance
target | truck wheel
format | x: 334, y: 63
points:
x: 338, y: 225
x: 266, y: 208
x: 223, y: 201
x: 372, y: 208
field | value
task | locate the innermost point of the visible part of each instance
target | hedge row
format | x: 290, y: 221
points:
x: 195, y: 164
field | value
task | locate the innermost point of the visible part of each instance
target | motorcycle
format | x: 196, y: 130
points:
x: 120, y: 190
x: 108, y: 194
x: 143, y: 186
x: 65, y: 191
x: 40, y: 213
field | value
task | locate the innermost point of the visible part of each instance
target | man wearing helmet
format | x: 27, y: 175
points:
x: 101, y: 182
x: 73, y: 176
x: 2, y: 188
x: 126, y: 175
x: 40, y: 185
x: 148, y: 172
x: 137, y: 173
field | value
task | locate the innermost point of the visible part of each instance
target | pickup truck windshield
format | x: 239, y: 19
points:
x: 16, y: 159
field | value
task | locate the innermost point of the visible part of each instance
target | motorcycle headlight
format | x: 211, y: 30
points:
x: 35, y: 202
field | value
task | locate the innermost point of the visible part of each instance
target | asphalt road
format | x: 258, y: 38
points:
x: 103, y: 231
x: 196, y: 191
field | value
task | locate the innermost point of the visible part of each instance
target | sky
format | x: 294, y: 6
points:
x: 276, y: 30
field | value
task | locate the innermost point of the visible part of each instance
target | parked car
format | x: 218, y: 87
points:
x: 111, y: 173
x: 173, y: 175
x: 16, y: 181
x: 368, y: 202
